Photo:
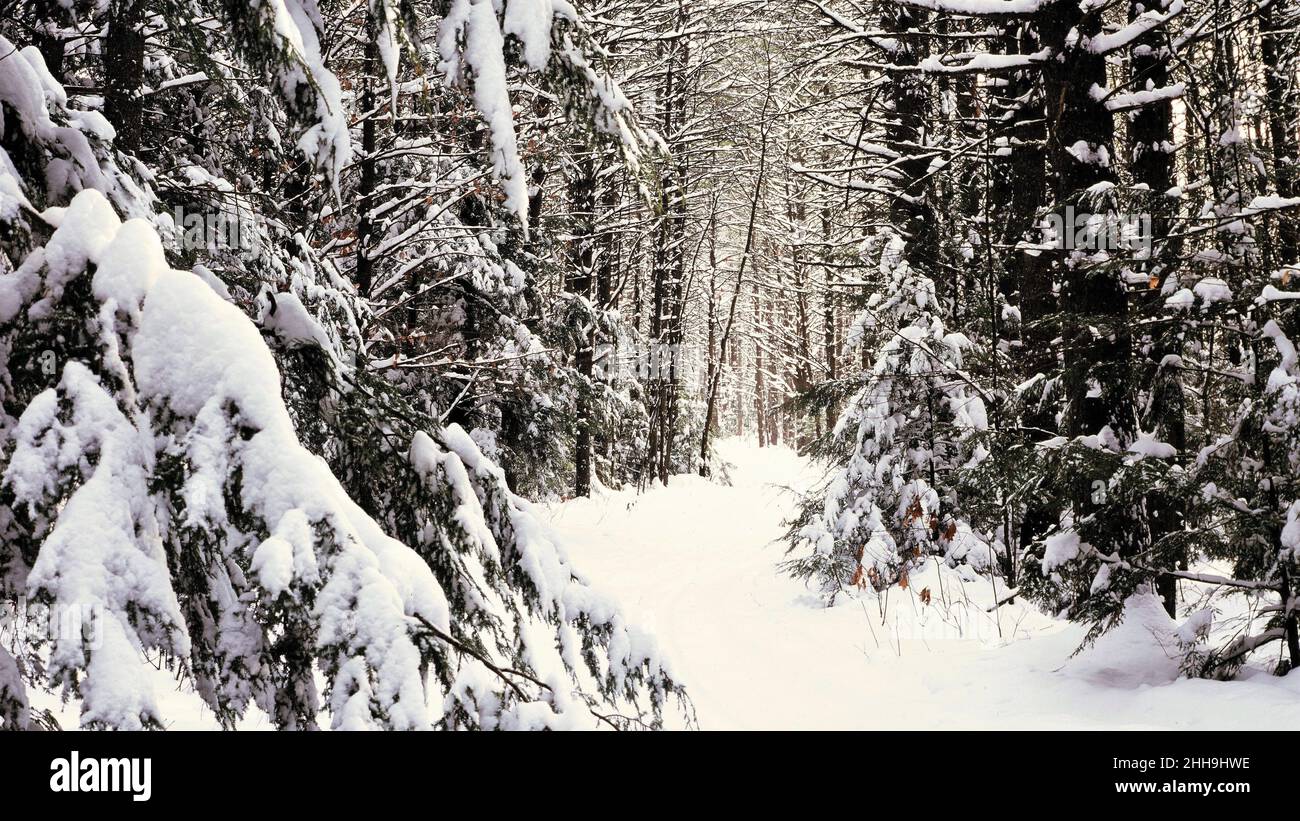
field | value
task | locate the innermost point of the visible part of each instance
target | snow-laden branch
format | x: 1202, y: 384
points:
x: 980, y: 8
x: 1146, y: 22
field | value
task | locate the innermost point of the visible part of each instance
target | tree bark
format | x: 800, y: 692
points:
x: 582, y: 196
x: 1152, y: 164
x: 1279, y: 56
x: 124, y: 72
x: 1093, y: 304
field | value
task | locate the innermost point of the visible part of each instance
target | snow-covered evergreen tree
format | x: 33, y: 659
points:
x: 210, y: 465
x: 910, y: 426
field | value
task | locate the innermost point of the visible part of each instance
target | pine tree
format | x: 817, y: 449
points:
x: 191, y: 456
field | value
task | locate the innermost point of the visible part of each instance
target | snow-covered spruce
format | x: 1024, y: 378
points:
x: 154, y: 477
x: 162, y: 486
x: 889, y: 508
x: 1149, y: 442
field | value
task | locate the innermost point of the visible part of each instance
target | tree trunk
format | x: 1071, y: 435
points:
x: 1094, y: 305
x: 366, y: 185
x: 1279, y: 55
x: 912, y: 213
x: 1152, y: 163
x: 582, y: 197
x: 124, y: 72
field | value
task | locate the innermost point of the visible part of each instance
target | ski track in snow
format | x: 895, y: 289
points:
x: 695, y: 562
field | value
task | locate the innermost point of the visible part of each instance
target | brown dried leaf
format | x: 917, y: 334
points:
x: 913, y: 512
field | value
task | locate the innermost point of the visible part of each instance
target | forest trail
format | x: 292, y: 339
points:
x: 695, y: 562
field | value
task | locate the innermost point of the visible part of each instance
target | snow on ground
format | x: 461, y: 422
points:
x: 695, y: 563
x: 178, y: 704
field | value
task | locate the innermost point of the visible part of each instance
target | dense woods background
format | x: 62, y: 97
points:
x: 1020, y: 272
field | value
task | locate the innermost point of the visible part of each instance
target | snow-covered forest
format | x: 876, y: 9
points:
x: 627, y: 364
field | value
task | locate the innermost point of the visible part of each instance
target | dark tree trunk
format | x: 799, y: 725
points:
x: 364, y: 274
x: 1152, y: 164
x: 1279, y: 55
x: 1017, y: 190
x: 582, y: 197
x: 668, y: 267
x: 829, y: 330
x: 124, y: 72
x: 912, y: 214
x: 50, y: 15
x: 1094, y: 304
x: 607, y: 263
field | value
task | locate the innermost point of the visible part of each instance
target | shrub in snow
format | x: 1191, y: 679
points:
x: 1240, y: 489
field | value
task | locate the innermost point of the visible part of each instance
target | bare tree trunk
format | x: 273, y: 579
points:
x: 911, y: 214
x: 124, y: 72
x: 1278, y: 51
x: 364, y: 273
x: 606, y: 265
x: 1098, y: 385
x: 47, y: 41
x: 746, y: 253
x: 1151, y: 132
x: 582, y: 197
x: 829, y: 320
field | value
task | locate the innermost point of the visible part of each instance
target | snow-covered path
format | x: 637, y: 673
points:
x: 695, y: 563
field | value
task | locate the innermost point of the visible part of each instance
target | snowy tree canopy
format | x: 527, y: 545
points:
x: 157, y: 474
